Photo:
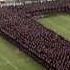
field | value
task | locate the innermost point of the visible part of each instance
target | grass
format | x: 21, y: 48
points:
x: 60, y: 24
x: 12, y: 59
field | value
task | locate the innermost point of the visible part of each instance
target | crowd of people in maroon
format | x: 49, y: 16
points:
x: 48, y: 7
x: 47, y: 47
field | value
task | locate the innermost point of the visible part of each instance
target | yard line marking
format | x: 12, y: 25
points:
x: 8, y: 62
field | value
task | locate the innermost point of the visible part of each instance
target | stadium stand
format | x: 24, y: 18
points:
x: 44, y: 45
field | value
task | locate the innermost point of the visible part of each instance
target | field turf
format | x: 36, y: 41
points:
x: 59, y: 23
x: 12, y: 59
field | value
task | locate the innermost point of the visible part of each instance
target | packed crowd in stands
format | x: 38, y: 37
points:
x: 47, y: 8
x: 39, y: 42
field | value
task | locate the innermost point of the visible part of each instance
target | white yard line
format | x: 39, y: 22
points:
x: 9, y: 62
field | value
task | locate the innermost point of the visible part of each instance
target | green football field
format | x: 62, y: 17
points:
x: 12, y: 59
x: 60, y: 24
